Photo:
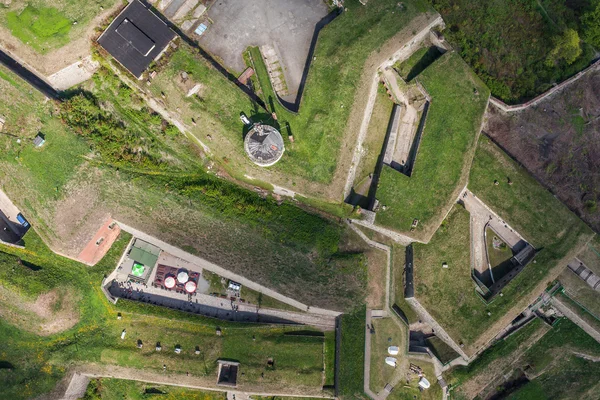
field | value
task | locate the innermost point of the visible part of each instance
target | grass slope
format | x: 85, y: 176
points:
x: 452, y: 125
x: 352, y: 354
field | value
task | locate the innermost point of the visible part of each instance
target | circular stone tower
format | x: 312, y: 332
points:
x: 264, y: 145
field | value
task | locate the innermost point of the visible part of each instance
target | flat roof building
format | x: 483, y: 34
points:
x: 136, y: 38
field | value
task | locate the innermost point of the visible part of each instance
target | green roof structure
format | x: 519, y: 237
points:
x: 144, y: 253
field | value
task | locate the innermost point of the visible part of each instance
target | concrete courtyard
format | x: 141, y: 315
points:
x: 287, y: 25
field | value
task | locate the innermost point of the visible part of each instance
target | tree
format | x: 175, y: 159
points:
x: 566, y: 47
x: 590, y: 25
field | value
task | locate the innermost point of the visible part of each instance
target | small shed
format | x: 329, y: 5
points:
x: 228, y: 371
x: 39, y: 140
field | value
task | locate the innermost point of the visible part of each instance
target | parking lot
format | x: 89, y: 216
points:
x: 287, y: 25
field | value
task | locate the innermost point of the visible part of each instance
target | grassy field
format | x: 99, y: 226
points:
x: 46, y: 26
x: 408, y: 388
x: 508, y: 43
x: 387, y: 333
x: 452, y: 125
x: 497, y: 255
x: 496, y: 358
x: 449, y: 294
x: 330, y: 89
x: 96, y: 336
x: 117, y: 389
x: 529, y: 208
x: 352, y: 354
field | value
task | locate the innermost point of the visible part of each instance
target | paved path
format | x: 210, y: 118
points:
x: 37, y: 82
x: 204, y: 264
x: 566, y: 311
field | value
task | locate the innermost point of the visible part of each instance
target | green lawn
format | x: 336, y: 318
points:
x: 50, y: 167
x: 329, y: 358
x: 342, y: 49
x: 318, y: 129
x: 448, y: 140
x: 507, y: 42
x: 497, y: 353
x: 117, y: 389
x: 129, y: 164
x: 45, y: 27
x: 387, y: 333
x: 352, y: 354
x: 412, y: 391
x: 449, y: 294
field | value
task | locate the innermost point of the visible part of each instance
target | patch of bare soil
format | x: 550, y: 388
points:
x: 52, y: 312
x: 54, y: 61
x: 558, y: 141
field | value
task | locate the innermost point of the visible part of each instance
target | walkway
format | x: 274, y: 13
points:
x: 207, y: 265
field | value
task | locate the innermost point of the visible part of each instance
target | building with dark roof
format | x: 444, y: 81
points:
x: 136, y: 38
